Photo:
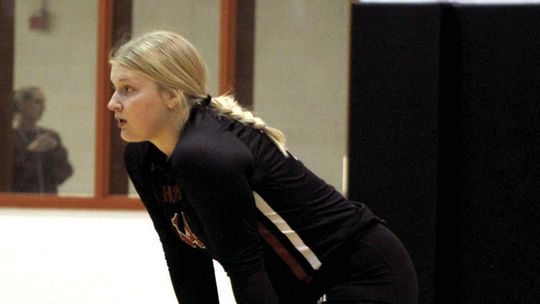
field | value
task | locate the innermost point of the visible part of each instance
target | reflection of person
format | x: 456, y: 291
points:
x: 40, y: 162
x: 196, y: 162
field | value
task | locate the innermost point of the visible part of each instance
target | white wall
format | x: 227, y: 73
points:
x: 67, y: 257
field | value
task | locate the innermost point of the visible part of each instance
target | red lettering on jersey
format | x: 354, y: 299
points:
x: 171, y: 194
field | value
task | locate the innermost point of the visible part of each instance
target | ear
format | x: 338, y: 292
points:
x: 173, y: 98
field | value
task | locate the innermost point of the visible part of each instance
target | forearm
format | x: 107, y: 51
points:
x: 255, y: 288
x: 193, y: 279
x: 191, y: 271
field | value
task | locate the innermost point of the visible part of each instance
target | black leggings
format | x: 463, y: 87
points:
x: 373, y: 268
x: 379, y: 270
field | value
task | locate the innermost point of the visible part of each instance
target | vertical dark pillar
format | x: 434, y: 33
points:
x: 245, y: 44
x: 449, y: 149
x: 394, y: 124
x: 121, y: 32
x: 237, y: 40
x: 7, y: 29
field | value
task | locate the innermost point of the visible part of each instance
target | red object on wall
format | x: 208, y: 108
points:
x: 39, y: 22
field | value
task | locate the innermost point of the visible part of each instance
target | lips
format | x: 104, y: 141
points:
x: 121, y: 122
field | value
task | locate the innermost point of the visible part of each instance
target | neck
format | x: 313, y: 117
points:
x: 169, y: 137
x: 26, y: 125
x: 166, y: 144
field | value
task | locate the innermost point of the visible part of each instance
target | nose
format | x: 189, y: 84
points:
x: 114, y: 105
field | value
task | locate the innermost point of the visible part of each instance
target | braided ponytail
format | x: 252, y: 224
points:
x: 226, y: 105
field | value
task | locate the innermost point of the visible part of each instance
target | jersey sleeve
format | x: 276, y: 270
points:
x: 217, y: 187
x: 191, y: 272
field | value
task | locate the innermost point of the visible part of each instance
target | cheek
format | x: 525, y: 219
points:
x: 149, y: 114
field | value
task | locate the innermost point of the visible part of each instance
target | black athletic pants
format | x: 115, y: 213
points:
x: 373, y: 268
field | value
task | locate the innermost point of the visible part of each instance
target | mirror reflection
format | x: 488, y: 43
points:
x: 54, y: 84
x: 40, y: 161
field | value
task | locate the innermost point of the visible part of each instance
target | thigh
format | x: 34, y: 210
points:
x: 378, y: 271
x: 289, y: 289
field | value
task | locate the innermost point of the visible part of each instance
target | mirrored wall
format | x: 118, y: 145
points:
x: 53, y: 134
x: 292, y: 57
x: 54, y: 84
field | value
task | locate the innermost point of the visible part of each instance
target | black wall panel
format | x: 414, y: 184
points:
x: 498, y: 211
x: 393, y: 123
x: 445, y: 142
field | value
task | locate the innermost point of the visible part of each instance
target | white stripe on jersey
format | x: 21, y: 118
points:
x: 282, y: 226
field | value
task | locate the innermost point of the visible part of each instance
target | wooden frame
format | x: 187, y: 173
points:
x: 7, y: 28
x: 102, y: 197
x: 237, y: 45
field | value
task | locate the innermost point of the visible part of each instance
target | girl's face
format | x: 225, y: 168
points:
x: 141, y: 110
x: 33, y: 108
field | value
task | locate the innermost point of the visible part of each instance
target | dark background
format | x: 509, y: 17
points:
x: 444, y: 142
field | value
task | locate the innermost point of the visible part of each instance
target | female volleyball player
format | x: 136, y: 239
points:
x: 197, y: 162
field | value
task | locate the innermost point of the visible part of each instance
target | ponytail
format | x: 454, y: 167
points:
x: 226, y: 105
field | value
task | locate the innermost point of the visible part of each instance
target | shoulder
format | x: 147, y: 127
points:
x: 211, y: 153
x: 51, y: 132
x: 210, y: 144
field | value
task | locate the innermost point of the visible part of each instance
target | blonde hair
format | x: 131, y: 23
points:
x: 175, y: 64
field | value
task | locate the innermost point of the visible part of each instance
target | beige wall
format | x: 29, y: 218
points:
x: 301, y: 78
x: 196, y: 20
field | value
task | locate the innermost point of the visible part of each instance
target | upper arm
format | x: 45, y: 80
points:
x: 216, y: 184
x: 194, y: 281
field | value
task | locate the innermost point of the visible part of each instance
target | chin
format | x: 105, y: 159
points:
x: 129, y: 137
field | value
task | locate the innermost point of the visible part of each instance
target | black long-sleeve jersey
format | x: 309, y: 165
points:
x: 202, y: 203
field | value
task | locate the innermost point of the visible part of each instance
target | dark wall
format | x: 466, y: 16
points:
x: 445, y: 142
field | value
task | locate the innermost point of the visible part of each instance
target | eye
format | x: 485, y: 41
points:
x: 122, y: 89
x: 126, y: 89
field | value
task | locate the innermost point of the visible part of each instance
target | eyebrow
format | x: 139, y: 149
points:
x: 121, y: 79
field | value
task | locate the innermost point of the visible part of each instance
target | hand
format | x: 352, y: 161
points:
x: 43, y: 142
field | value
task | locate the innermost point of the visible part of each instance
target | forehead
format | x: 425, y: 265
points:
x: 34, y: 96
x: 120, y: 73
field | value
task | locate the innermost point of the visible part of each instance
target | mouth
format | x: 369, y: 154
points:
x: 121, y: 122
